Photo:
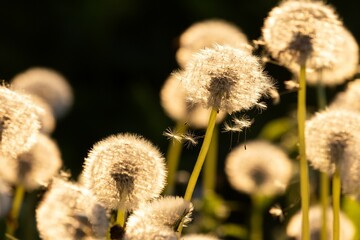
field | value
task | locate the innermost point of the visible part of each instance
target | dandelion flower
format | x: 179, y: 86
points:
x: 332, y: 140
x: 19, y: 123
x: 35, y: 167
x: 347, y: 230
x: 296, y: 32
x: 173, y: 100
x: 224, y: 78
x: 48, y: 84
x: 124, y: 170
x: 348, y: 99
x: 68, y: 211
x: 162, y: 212
x: 199, y: 237
x: 260, y: 169
x: 207, y: 33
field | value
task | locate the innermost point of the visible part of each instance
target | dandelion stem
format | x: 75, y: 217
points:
x: 336, y: 188
x: 256, y: 219
x: 12, y: 221
x: 173, y: 156
x: 209, y: 177
x: 304, y: 175
x: 324, y: 177
x: 120, y: 217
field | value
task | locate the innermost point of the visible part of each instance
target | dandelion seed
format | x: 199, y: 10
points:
x: 277, y: 212
x: 47, y: 84
x: 249, y: 170
x: 234, y: 128
x: 190, y: 138
x: 347, y: 230
x: 291, y: 85
x: 68, y: 211
x: 224, y: 78
x: 299, y: 31
x: 207, y: 33
x: 243, y: 122
x: 172, y: 135
x: 124, y: 170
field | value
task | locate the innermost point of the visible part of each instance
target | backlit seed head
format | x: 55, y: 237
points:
x: 333, y: 140
x: 296, y: 32
x: 173, y: 100
x: 207, y: 33
x: 224, y: 78
x: 5, y: 199
x: 345, y: 67
x: 35, y: 167
x: 166, y: 212
x: 348, y: 99
x: 19, y: 123
x: 293, y: 230
x: 151, y: 232
x: 199, y: 237
x: 261, y: 168
x: 68, y: 211
x: 47, y: 84
x: 124, y: 170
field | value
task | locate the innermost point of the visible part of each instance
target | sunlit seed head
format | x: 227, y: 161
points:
x: 173, y: 100
x: 207, y: 33
x: 293, y: 230
x: 296, y: 32
x: 150, y: 232
x: 47, y: 84
x: 68, y: 211
x: 349, y: 98
x: 333, y: 140
x: 224, y: 78
x: 124, y: 170
x: 5, y: 199
x: 19, y: 123
x: 345, y: 67
x: 166, y: 211
x: 261, y: 168
x: 195, y: 236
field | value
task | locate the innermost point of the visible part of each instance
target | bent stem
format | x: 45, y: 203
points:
x: 209, y: 175
x: 200, y: 160
x: 304, y: 175
x: 336, y: 188
x: 173, y: 156
x: 12, y: 221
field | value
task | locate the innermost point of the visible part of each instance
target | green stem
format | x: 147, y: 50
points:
x: 336, y: 188
x: 209, y: 177
x: 200, y: 160
x: 172, y: 157
x: 304, y: 175
x: 120, y: 217
x: 12, y: 221
x: 256, y: 219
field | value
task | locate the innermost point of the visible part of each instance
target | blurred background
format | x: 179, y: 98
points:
x: 116, y: 54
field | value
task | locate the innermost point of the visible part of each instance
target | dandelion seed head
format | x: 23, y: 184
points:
x: 224, y: 78
x: 35, y: 167
x: 19, y: 123
x: 167, y: 212
x: 47, y: 84
x: 195, y: 236
x: 347, y: 230
x: 207, y: 33
x: 124, y: 170
x: 296, y: 32
x: 151, y: 232
x: 248, y: 170
x: 332, y: 140
x: 68, y: 211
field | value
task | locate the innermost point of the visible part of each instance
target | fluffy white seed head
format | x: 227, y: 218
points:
x: 166, y: 212
x: 48, y: 84
x: 152, y: 233
x: 124, y: 170
x: 224, y: 78
x: 19, y: 123
x: 205, y: 34
x: 333, y: 140
x: 296, y: 32
x: 35, y: 167
x: 199, y: 237
x: 261, y: 168
x: 349, y: 99
x: 293, y: 230
x: 345, y: 67
x: 68, y: 211
x: 173, y: 100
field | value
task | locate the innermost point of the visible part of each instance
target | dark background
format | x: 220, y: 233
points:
x: 116, y: 54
